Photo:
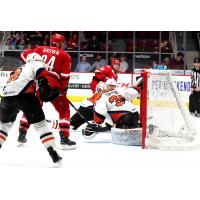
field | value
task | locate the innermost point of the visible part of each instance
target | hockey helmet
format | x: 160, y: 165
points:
x: 57, y: 38
x: 111, y: 81
x: 111, y: 84
x: 33, y: 57
x: 101, y: 87
x: 115, y: 62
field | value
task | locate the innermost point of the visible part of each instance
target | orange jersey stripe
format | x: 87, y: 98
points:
x: 115, y: 116
x: 48, y: 139
x: 94, y: 98
x: 98, y: 119
x: 3, y: 138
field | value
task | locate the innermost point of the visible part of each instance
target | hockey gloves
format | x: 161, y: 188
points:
x: 92, y: 129
x: 46, y: 93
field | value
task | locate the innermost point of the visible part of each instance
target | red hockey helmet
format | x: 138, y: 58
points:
x: 115, y: 62
x: 57, y: 38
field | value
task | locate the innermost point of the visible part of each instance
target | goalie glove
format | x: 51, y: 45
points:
x: 92, y: 129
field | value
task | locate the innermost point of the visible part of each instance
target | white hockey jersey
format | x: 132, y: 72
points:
x: 24, y: 77
x: 115, y: 104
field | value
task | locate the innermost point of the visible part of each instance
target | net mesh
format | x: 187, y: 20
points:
x: 168, y: 120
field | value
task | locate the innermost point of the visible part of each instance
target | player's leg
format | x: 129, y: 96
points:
x: 35, y: 116
x: 192, y: 103
x: 62, y: 107
x: 8, y: 113
x: 24, y: 125
x: 197, y: 104
x: 76, y: 120
x: 23, y: 128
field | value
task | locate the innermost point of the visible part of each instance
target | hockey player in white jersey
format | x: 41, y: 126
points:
x: 19, y: 94
x: 114, y: 108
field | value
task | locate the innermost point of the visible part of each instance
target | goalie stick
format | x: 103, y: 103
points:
x: 74, y: 107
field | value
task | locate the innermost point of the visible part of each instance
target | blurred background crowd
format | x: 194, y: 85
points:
x: 92, y: 49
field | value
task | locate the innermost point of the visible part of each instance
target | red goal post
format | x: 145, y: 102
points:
x: 166, y: 122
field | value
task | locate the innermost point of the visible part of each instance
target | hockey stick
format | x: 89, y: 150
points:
x: 74, y: 107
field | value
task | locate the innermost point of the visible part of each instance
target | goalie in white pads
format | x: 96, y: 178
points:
x: 115, y: 108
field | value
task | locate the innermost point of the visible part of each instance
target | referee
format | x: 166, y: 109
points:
x: 194, y: 99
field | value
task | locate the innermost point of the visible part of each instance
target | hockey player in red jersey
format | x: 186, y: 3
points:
x: 104, y: 73
x: 18, y: 94
x: 59, y: 65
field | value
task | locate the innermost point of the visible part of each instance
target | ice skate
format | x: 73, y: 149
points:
x: 66, y: 143
x: 55, y: 157
x: 22, y: 138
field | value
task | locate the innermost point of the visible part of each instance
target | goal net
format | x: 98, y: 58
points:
x: 165, y: 118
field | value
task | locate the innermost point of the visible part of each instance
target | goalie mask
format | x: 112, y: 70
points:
x: 111, y: 84
x: 101, y: 87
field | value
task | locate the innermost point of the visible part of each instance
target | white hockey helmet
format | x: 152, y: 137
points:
x: 111, y: 81
x: 33, y: 57
x: 101, y: 87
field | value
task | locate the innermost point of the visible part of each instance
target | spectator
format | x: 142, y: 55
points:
x: 166, y: 61
x: 72, y: 43
x: 83, y: 66
x: 100, y: 62
x: 93, y: 44
x: 13, y: 41
x: 178, y: 62
x: 123, y: 64
x: 17, y: 37
x: 8, y: 45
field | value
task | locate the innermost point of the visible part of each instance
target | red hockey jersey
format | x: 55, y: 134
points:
x: 102, y: 74
x: 58, y: 62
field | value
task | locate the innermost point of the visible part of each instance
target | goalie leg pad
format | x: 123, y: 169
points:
x: 128, y: 137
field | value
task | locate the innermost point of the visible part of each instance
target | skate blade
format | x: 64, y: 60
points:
x: 21, y: 144
x: 89, y: 137
x: 66, y: 147
x: 57, y: 164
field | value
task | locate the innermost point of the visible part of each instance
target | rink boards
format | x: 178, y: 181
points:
x: 79, y: 84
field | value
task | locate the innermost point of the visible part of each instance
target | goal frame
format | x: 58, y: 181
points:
x: 186, y: 138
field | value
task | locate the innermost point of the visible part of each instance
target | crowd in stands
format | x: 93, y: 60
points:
x: 95, y: 42
x: 89, y: 41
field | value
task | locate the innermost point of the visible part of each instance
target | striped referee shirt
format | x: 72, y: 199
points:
x: 195, y: 78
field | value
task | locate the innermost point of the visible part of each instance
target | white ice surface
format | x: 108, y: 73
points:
x: 96, y: 170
